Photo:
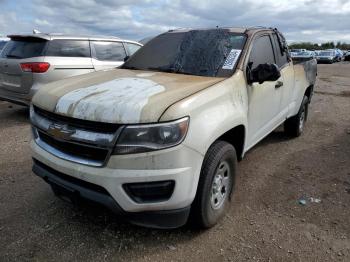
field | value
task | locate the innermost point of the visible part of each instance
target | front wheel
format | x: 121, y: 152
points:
x: 215, y: 185
x: 294, y: 126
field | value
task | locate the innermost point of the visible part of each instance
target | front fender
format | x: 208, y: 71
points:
x: 212, y: 111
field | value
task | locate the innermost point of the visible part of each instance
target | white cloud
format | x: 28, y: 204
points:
x: 308, y: 20
x: 42, y: 22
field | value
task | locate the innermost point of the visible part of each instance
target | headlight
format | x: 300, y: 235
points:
x: 146, y: 138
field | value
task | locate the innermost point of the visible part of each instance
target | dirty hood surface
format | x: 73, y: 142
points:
x: 119, y: 95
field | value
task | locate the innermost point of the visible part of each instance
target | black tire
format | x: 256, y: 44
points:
x: 206, y: 212
x: 294, y: 126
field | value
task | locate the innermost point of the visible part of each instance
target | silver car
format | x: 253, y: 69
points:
x: 305, y: 55
x: 327, y: 56
x: 29, y: 61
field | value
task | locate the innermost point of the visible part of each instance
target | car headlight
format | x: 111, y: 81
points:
x: 151, y: 137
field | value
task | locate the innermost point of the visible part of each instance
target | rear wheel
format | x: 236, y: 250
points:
x: 215, y: 185
x: 294, y: 126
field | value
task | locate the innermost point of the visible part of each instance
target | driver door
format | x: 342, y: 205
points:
x: 264, y: 99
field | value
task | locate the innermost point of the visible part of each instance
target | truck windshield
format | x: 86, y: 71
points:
x: 213, y: 53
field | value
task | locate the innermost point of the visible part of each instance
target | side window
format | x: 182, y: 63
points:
x: 280, y: 59
x: 262, y: 52
x: 108, y: 51
x: 132, y: 48
x: 68, y: 48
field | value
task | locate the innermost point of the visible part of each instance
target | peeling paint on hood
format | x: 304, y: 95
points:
x: 119, y: 95
x: 119, y: 100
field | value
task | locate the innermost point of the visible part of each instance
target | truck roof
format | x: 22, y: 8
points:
x: 251, y: 29
x: 54, y: 36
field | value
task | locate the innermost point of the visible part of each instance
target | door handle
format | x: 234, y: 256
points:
x: 278, y: 84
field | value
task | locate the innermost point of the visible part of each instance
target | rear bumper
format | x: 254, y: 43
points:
x: 16, y: 98
x: 74, y: 190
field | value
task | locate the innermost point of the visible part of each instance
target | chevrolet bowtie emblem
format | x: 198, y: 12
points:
x: 60, y: 131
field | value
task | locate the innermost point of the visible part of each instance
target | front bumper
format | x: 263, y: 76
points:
x: 180, y: 164
x: 75, y: 190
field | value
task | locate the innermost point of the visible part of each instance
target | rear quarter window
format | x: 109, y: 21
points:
x: 132, y: 48
x: 23, y: 48
x: 68, y: 48
x: 108, y: 51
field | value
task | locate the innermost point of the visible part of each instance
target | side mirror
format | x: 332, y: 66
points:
x: 126, y: 58
x: 265, y: 72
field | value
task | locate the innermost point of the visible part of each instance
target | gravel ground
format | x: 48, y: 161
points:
x: 265, y: 222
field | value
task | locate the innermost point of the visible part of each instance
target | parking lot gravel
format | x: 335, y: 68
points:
x: 291, y: 203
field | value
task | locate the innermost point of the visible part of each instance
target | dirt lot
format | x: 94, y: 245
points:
x: 265, y: 223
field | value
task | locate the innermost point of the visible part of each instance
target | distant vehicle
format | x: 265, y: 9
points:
x: 297, y: 50
x: 327, y: 56
x: 29, y: 61
x: 305, y: 55
x: 293, y: 54
x: 339, y: 54
x: 347, y: 56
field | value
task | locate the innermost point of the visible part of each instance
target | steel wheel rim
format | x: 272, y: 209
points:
x: 220, y: 185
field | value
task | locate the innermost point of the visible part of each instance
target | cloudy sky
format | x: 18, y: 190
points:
x: 299, y: 20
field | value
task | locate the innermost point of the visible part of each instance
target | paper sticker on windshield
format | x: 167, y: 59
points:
x: 232, y: 58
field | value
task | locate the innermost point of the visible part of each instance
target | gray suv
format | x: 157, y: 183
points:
x: 29, y: 61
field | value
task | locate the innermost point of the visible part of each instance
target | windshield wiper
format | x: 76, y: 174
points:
x: 168, y: 70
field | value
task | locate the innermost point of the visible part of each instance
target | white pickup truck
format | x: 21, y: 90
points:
x: 158, y: 139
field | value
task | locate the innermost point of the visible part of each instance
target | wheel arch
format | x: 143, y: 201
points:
x: 236, y: 136
x: 309, y: 92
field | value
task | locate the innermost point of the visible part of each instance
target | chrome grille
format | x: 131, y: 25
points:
x: 75, y: 140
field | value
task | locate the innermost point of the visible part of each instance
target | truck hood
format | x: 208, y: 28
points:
x: 119, y: 95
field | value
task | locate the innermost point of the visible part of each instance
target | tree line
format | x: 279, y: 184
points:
x: 313, y: 46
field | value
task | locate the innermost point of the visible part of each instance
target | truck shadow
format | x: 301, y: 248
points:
x: 13, y: 114
x: 275, y: 137
x: 111, y: 233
